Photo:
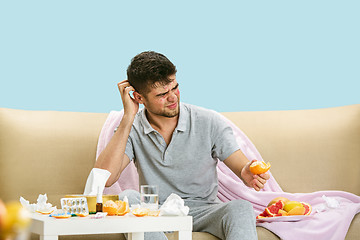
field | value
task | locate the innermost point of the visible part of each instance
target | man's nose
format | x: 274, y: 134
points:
x: 172, y: 97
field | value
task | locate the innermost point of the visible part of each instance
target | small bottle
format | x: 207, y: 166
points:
x: 99, y: 201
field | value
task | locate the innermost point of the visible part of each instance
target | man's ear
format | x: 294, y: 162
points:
x: 138, y: 97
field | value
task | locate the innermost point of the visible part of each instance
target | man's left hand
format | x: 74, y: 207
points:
x: 253, y: 180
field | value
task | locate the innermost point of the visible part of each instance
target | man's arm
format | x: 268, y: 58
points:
x: 113, y: 157
x: 240, y: 165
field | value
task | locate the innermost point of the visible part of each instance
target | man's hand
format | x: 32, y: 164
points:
x: 253, y: 180
x: 131, y: 107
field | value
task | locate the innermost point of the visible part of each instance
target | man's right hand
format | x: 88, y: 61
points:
x: 131, y: 106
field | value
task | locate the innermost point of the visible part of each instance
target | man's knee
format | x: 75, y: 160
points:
x: 237, y: 208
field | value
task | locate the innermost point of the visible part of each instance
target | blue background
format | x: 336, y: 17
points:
x: 230, y: 55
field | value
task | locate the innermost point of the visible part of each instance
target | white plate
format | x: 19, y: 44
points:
x: 294, y: 218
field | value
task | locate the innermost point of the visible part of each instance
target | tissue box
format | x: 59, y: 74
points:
x: 91, y: 200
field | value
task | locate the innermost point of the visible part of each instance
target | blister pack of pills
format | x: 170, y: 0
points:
x: 77, y: 206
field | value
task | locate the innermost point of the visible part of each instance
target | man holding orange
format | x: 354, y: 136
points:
x: 176, y: 146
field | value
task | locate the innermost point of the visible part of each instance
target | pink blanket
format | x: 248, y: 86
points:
x: 328, y: 223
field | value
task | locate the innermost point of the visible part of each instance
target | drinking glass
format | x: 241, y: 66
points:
x: 149, y: 196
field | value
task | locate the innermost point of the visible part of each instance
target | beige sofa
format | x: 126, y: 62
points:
x: 53, y: 152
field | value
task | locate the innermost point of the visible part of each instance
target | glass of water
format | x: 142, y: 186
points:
x: 149, y: 197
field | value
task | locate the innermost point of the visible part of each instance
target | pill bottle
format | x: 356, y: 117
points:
x: 99, y: 201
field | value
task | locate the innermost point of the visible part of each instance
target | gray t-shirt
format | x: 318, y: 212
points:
x: 187, y: 166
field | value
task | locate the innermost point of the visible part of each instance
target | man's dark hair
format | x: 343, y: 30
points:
x: 148, y: 69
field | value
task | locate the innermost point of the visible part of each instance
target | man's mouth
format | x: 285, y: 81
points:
x: 172, y: 106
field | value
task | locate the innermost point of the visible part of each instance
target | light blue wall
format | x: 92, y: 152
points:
x: 230, y: 55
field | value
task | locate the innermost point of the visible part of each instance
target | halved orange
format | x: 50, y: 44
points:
x: 140, y: 212
x: 259, y: 167
x: 123, y: 208
x: 118, y: 208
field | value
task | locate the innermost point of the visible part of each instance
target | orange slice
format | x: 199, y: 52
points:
x: 296, y: 211
x: 140, y: 212
x: 153, y: 213
x: 259, y: 167
x: 82, y: 214
x: 45, y: 212
x: 62, y: 216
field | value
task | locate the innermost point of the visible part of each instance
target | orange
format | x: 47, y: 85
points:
x: 123, y: 208
x: 140, y: 212
x: 118, y: 208
x: 259, y: 167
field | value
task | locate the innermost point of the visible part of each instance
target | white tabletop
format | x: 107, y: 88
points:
x: 50, y: 228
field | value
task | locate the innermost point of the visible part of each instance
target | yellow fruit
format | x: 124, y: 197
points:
x: 284, y: 199
x: 296, y: 211
x: 16, y: 219
x: 282, y: 212
x: 292, y: 204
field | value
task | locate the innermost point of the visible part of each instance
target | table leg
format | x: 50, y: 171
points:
x: 47, y: 237
x: 136, y: 236
x: 183, y: 235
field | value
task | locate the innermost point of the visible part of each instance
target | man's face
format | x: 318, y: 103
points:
x: 163, y: 100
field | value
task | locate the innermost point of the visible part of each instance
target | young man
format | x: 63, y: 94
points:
x: 176, y: 146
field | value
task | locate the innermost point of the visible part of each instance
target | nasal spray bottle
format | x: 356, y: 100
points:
x: 99, y: 201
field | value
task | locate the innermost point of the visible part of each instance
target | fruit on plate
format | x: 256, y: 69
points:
x: 307, y: 207
x: 273, y: 209
x: 281, y: 206
x: 117, y: 208
x: 284, y: 199
x: 296, y: 211
x: 292, y: 204
x: 259, y: 167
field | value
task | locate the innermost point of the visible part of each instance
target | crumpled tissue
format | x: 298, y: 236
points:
x: 40, y: 206
x: 174, y: 206
x: 97, y: 178
x: 330, y: 203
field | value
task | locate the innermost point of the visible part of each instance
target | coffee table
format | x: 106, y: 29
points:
x: 50, y: 228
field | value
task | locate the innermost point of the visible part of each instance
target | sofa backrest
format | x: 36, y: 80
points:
x: 53, y: 152
x: 48, y: 152
x: 309, y: 150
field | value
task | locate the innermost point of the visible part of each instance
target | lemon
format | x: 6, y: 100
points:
x: 292, y: 204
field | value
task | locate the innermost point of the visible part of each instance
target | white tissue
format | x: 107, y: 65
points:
x: 97, y: 178
x: 40, y: 206
x: 330, y: 203
x: 174, y: 206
